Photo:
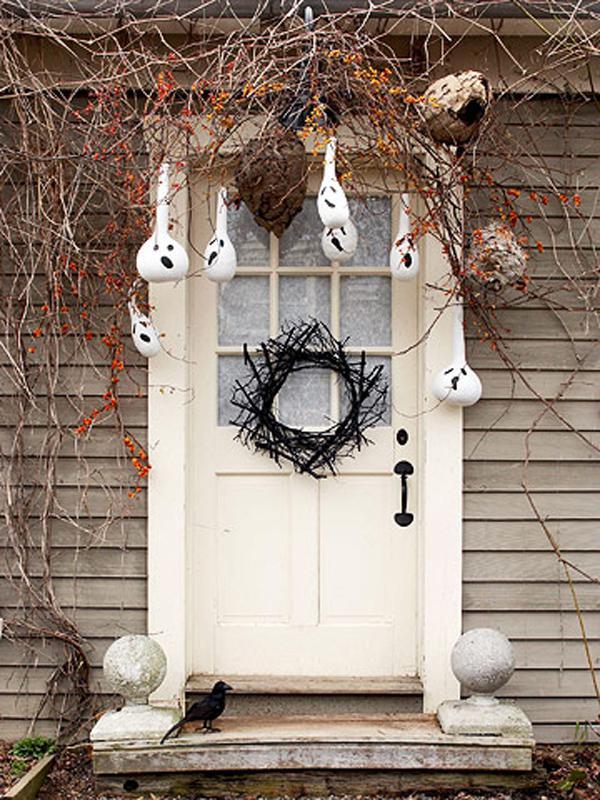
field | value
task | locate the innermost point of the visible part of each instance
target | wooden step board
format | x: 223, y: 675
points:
x: 260, y: 695
x: 276, y: 756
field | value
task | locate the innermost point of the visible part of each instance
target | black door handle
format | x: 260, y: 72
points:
x: 404, y: 469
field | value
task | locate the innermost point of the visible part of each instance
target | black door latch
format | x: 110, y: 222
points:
x: 404, y: 469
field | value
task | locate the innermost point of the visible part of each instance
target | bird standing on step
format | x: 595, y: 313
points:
x: 208, y: 709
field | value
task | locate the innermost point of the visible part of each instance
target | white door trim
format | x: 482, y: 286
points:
x: 168, y: 396
x: 439, y: 474
x: 440, y: 457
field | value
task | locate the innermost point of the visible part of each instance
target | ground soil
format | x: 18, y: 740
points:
x: 573, y: 773
x: 6, y: 776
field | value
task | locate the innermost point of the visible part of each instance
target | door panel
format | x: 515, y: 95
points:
x: 293, y: 575
x: 356, y: 549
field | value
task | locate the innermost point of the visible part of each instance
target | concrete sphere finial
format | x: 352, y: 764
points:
x: 483, y: 660
x: 135, y: 666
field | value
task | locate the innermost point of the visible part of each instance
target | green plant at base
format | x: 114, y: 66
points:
x: 28, y: 750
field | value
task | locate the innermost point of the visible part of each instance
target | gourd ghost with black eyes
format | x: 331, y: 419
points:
x: 339, y: 244
x: 332, y: 203
x: 143, y: 332
x: 161, y: 258
x: 457, y: 384
x: 220, y: 259
x: 404, y: 256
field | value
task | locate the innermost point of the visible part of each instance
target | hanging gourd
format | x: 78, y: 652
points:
x: 161, y: 258
x: 220, y: 259
x: 454, y: 106
x: 144, y: 334
x: 339, y: 244
x: 332, y: 203
x: 404, y: 256
x: 457, y: 384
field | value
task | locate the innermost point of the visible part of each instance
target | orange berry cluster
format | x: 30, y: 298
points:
x: 110, y: 403
x: 139, y: 459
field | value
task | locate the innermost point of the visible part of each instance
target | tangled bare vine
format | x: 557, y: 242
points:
x: 92, y: 101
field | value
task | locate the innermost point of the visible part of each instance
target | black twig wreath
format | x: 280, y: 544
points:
x: 307, y: 345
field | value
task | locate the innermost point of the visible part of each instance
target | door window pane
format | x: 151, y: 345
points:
x: 244, y: 310
x: 251, y: 242
x: 304, y: 399
x: 371, y: 362
x: 231, y: 368
x: 300, y: 245
x: 303, y: 298
x: 373, y: 220
x: 366, y: 310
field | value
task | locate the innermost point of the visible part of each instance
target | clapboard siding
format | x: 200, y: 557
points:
x: 513, y: 580
x: 99, y: 569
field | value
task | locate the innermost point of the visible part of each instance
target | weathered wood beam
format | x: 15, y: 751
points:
x: 316, y: 783
x: 196, y: 9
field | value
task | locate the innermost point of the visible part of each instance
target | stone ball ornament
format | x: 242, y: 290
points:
x: 135, y: 666
x: 483, y: 660
x: 220, y: 259
x: 495, y: 259
x: 457, y: 384
x: 339, y: 244
x: 455, y: 105
x: 332, y: 203
x: 404, y: 256
x: 161, y: 258
x: 143, y: 333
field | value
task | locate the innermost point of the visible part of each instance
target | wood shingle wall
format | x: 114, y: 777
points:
x: 512, y: 579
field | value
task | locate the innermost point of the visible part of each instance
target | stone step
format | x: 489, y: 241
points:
x: 272, y: 756
x: 260, y: 695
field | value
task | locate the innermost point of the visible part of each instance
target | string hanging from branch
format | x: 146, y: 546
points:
x: 300, y: 347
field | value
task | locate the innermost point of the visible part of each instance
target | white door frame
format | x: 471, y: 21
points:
x: 439, y: 473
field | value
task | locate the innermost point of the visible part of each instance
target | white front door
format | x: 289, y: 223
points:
x: 289, y: 574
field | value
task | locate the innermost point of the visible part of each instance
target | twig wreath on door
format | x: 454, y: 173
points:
x: 303, y: 346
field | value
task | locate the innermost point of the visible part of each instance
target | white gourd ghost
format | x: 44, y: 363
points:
x: 332, y: 203
x: 404, y: 256
x: 457, y: 384
x: 143, y: 332
x: 161, y: 258
x: 220, y: 259
x: 339, y: 244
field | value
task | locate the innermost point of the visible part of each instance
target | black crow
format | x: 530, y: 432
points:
x: 207, y: 710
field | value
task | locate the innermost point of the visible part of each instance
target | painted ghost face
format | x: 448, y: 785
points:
x: 457, y: 385
x: 404, y: 256
x: 144, y: 334
x: 339, y: 244
x: 404, y: 260
x: 220, y: 259
x: 332, y: 203
x: 161, y: 259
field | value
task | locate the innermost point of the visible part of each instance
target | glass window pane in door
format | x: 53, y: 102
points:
x: 304, y: 399
x: 230, y: 369
x: 300, y: 245
x: 251, y: 242
x: 304, y: 297
x: 373, y: 220
x: 244, y: 310
x: 366, y: 310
